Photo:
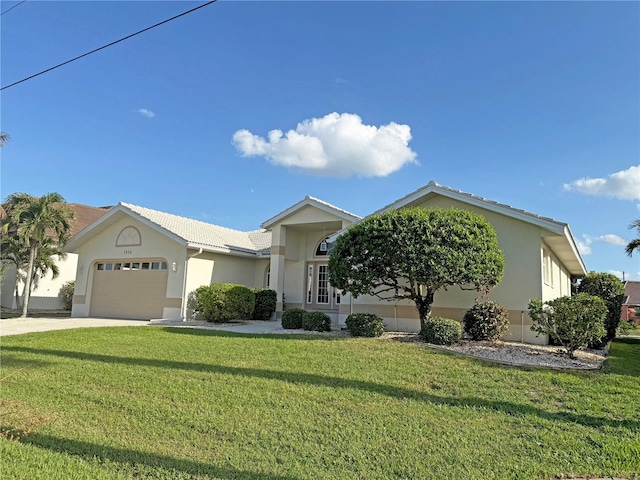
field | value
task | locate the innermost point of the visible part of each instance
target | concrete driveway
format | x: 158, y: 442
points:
x: 17, y: 326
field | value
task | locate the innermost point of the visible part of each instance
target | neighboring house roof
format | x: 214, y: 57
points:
x: 313, y: 202
x: 558, y: 237
x: 632, y: 291
x: 189, y: 232
x: 84, y: 215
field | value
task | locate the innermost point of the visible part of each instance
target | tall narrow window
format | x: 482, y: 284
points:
x: 323, y: 284
x: 310, y: 284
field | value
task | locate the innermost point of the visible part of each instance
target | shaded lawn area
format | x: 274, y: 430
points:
x: 184, y: 404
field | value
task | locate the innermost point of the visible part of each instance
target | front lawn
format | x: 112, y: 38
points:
x: 151, y: 402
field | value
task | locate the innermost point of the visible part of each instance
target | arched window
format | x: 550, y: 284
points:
x: 129, y: 237
x: 324, y: 248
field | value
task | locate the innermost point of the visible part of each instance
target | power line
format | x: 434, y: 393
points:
x: 9, y: 9
x: 107, y: 45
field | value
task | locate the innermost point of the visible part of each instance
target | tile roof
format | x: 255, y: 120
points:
x: 432, y: 185
x: 85, y: 215
x: 206, y: 234
x: 632, y: 289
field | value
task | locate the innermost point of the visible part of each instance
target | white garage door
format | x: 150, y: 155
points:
x: 135, y: 288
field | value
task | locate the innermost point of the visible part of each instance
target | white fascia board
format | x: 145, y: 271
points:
x: 574, y: 247
x: 507, y: 210
x: 224, y: 250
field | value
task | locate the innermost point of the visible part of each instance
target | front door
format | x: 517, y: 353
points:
x: 320, y: 294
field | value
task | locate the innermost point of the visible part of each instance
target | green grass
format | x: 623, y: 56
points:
x: 151, y: 402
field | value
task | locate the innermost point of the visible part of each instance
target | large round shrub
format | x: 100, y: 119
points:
x: 222, y: 302
x: 441, y: 331
x: 364, y: 325
x: 316, y: 322
x: 265, y: 303
x: 292, y: 318
x: 610, y: 289
x: 486, y: 321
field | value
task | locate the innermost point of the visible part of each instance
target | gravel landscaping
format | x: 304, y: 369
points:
x: 514, y: 353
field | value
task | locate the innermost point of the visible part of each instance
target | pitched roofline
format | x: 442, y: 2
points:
x: 79, y: 238
x: 529, y: 217
x: 314, y: 202
x: 547, y: 223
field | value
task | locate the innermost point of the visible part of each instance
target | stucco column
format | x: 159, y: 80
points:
x: 278, y: 242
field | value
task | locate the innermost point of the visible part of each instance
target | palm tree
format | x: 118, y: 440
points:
x: 40, y: 224
x: 4, y: 138
x: 14, y: 253
x: 635, y: 243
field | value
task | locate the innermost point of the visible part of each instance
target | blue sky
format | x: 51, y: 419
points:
x: 235, y: 112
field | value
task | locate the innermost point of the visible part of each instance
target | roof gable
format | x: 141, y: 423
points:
x: 309, y: 201
x: 186, y: 231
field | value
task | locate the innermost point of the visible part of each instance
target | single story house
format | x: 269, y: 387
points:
x: 631, y: 305
x: 140, y: 263
x: 46, y: 289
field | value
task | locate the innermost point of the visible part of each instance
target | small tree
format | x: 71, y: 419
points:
x: 412, y: 253
x: 610, y: 289
x: 572, y: 321
x: 36, y: 223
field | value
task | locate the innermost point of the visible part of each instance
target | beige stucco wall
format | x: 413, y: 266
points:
x: 559, y: 282
x: 153, y: 245
x: 45, y: 295
x: 520, y: 243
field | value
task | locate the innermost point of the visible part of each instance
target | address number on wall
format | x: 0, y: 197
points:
x: 128, y: 252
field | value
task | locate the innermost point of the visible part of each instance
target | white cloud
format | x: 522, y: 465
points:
x: 624, y: 184
x: 336, y: 144
x: 612, y: 239
x: 146, y: 113
x: 627, y: 275
x: 584, y: 246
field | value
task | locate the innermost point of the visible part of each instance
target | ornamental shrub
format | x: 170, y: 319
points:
x: 66, y: 294
x: 441, y: 331
x: 610, y: 289
x: 486, y: 321
x: 222, y: 302
x: 292, y: 318
x: 571, y: 321
x: 316, y: 322
x: 265, y: 303
x: 365, y: 325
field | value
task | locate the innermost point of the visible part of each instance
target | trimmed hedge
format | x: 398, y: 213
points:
x: 364, y: 325
x: 441, y: 331
x: 222, y: 302
x: 292, y: 318
x: 316, y: 322
x: 265, y: 305
x: 486, y: 321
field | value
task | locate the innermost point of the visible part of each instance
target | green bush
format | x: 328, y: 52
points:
x: 611, y: 290
x: 364, y: 325
x: 222, y: 302
x: 66, y: 294
x: 292, y: 318
x: 265, y: 303
x: 441, y: 331
x: 486, y: 321
x: 571, y: 321
x: 316, y: 322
